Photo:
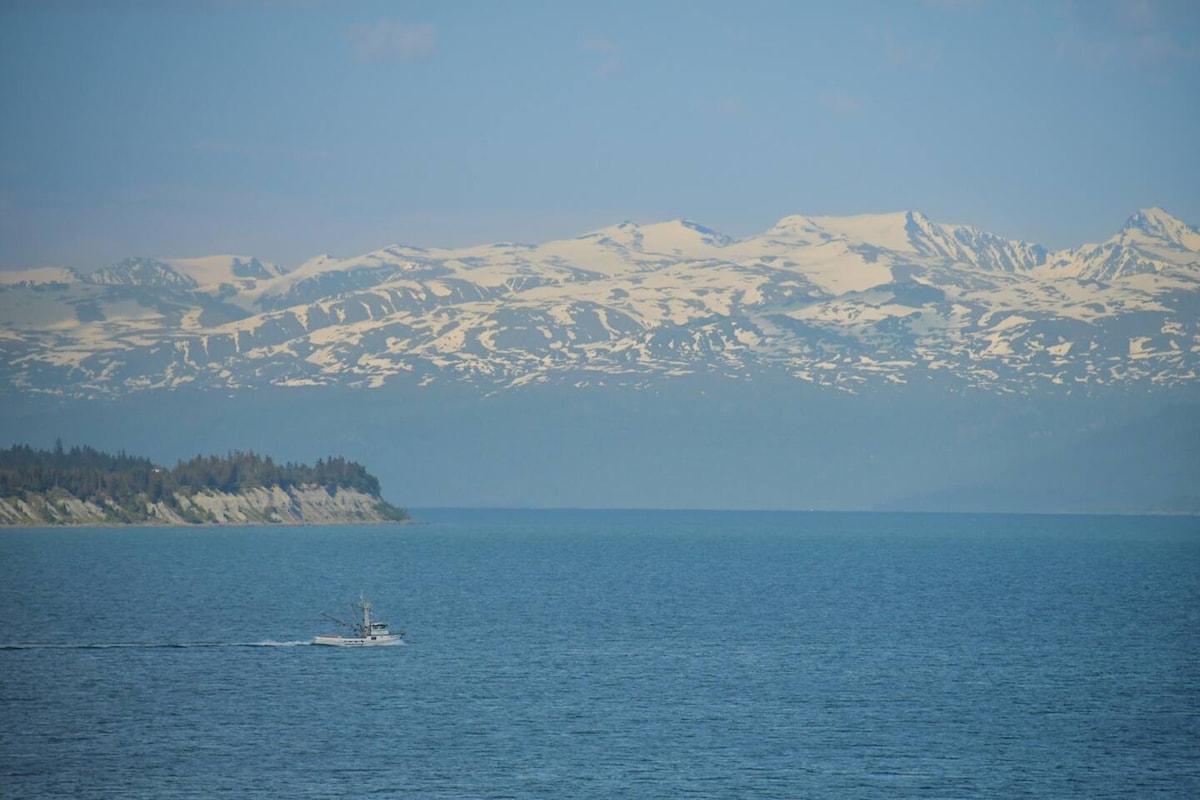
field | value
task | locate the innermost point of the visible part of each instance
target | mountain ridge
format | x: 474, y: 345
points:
x: 1150, y: 219
x: 841, y: 302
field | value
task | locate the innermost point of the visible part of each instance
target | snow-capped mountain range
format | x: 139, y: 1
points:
x: 842, y: 302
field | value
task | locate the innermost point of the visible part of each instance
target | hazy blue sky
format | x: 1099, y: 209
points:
x: 288, y: 129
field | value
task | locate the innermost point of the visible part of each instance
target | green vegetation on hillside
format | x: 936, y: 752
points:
x: 130, y: 482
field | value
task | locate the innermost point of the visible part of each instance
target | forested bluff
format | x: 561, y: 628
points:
x: 86, y: 486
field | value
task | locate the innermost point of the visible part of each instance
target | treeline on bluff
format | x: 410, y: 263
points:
x: 93, y: 475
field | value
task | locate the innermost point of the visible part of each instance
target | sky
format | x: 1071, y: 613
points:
x: 284, y: 130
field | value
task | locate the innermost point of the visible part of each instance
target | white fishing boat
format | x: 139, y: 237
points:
x: 365, y: 631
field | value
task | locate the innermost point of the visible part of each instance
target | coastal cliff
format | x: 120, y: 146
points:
x: 297, y: 505
x: 88, y: 487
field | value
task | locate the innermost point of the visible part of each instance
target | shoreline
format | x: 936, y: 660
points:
x: 203, y: 525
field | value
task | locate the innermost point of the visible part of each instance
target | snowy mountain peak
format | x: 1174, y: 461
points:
x: 216, y: 270
x: 890, y: 231
x: 911, y: 233
x: 681, y: 237
x: 798, y: 228
x: 1158, y: 224
x: 623, y: 232
x: 316, y: 264
x: 142, y: 272
x: 1149, y: 218
x: 186, y: 273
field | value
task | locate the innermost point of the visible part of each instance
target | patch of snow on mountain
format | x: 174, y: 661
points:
x: 888, y: 231
x: 231, y: 269
x: 141, y: 272
x: 682, y: 239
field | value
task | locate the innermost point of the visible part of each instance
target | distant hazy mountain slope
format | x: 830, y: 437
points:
x: 1146, y: 465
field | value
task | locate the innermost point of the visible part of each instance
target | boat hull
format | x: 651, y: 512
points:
x: 355, y: 641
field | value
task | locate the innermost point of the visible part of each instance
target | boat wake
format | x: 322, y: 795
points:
x: 144, y: 645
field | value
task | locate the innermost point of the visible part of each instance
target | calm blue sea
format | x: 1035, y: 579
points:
x: 608, y: 655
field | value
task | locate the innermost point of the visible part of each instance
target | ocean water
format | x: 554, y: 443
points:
x: 608, y: 655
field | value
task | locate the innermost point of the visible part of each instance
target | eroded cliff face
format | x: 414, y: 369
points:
x: 298, y: 505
